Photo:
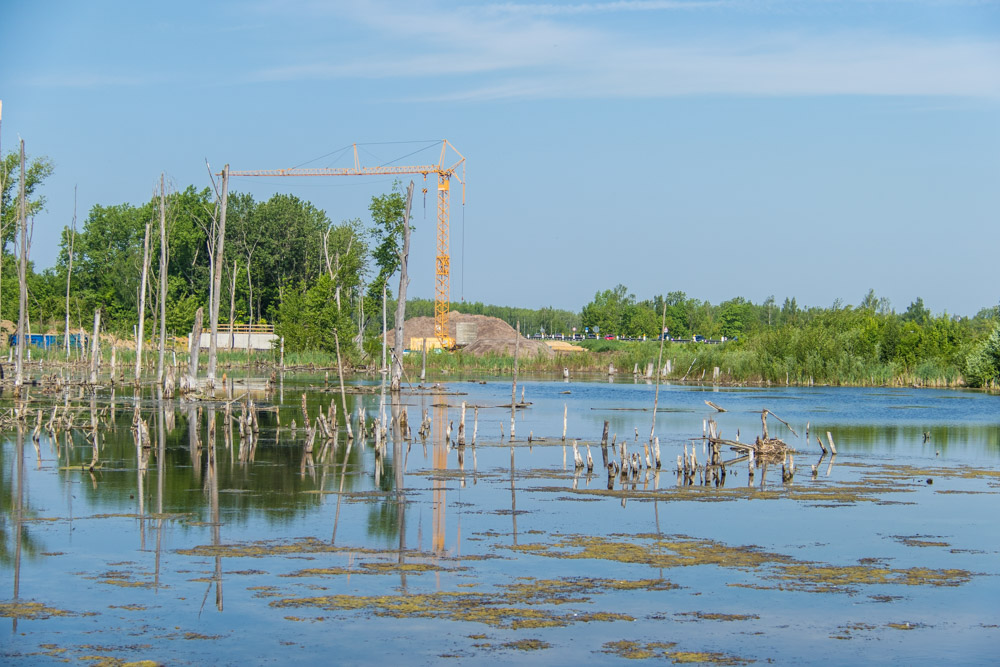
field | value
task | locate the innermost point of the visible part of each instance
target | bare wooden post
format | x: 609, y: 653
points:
x: 604, y: 443
x: 217, y: 278
x: 232, y: 310
x: 565, y: 410
x: 195, y: 349
x: 423, y: 362
x: 659, y: 362
x: 404, y: 280
x: 513, y: 386
x: 140, y: 332
x: 95, y: 347
x: 22, y: 280
x: 461, y: 427
x: 833, y: 447
x: 475, y: 424
x: 163, y: 283
x: 343, y: 395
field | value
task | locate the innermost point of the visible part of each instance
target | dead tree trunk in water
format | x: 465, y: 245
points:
x: 69, y: 271
x: 232, y: 311
x: 22, y: 281
x: 513, y: 386
x: 343, y: 395
x: 192, y: 379
x: 404, y: 280
x: 163, y: 284
x: 140, y: 332
x: 217, y: 278
x: 95, y: 347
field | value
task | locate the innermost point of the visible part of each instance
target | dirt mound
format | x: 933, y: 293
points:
x: 493, y: 335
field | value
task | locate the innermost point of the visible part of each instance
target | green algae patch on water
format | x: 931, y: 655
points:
x: 34, y: 611
x: 110, y: 661
x: 526, y: 645
x: 373, y: 568
x: 906, y: 625
x: 711, y: 616
x: 265, y: 548
x: 920, y: 541
x: 820, y: 578
x: 785, y: 572
x: 635, y: 650
x: 514, y: 606
x: 122, y: 579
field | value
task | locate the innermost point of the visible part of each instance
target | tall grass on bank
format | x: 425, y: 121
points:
x: 796, y: 359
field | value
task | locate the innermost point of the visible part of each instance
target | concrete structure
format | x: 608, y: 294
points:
x: 259, y: 337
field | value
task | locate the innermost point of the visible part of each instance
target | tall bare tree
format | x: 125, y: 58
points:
x: 163, y: 283
x: 217, y: 278
x: 22, y: 281
x: 140, y: 332
x: 404, y: 280
x: 69, y: 271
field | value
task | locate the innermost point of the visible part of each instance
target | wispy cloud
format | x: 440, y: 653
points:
x: 483, y: 54
x: 88, y: 80
x: 604, y: 7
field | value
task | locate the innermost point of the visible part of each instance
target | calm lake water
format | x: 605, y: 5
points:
x: 504, y: 551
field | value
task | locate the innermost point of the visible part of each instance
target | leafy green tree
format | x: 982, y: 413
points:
x: 387, y: 236
x: 36, y: 171
x: 608, y: 311
x: 917, y: 312
x: 789, y: 311
x: 982, y: 366
x: 308, y: 317
x: 736, y: 317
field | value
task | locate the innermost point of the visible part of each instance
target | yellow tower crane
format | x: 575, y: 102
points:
x: 445, y: 172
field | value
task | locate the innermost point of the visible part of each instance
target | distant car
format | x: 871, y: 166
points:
x: 609, y: 337
x: 664, y: 337
x: 699, y: 339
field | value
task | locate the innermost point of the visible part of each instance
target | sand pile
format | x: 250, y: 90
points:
x: 493, y: 335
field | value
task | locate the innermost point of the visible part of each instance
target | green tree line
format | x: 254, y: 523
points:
x: 287, y: 264
x: 859, y: 344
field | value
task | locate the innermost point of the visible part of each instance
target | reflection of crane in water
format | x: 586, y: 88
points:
x: 440, y: 462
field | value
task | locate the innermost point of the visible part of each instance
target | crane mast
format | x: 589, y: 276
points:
x: 445, y: 172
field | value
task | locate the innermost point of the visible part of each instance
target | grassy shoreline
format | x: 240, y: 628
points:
x: 725, y: 364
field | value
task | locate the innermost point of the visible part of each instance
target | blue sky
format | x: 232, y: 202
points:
x: 809, y: 149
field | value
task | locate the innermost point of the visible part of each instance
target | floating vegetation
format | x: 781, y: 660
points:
x: 704, y: 616
x: 306, y: 545
x: 121, y: 578
x: 372, y: 568
x: 635, y: 650
x: 906, y: 625
x: 919, y: 541
x: 527, y: 645
x: 110, y: 661
x: 33, y: 611
x: 785, y: 572
x: 513, y: 606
